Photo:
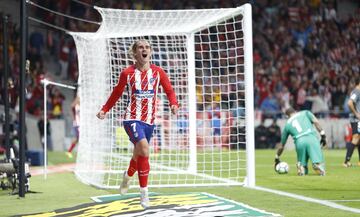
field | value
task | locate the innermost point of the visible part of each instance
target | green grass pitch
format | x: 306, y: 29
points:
x: 342, y: 184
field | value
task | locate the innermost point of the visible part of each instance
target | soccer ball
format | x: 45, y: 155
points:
x: 282, y: 168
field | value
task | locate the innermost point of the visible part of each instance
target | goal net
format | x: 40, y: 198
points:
x: 207, y: 55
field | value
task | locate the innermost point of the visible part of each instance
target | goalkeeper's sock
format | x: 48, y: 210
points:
x: 132, y: 167
x: 71, y: 147
x: 350, y: 149
x: 143, y: 170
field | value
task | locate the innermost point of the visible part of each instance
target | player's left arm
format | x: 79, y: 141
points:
x: 284, y: 137
x: 351, y: 104
x: 170, y: 93
x: 317, y: 125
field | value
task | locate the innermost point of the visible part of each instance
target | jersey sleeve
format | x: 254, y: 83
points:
x: 310, y: 115
x: 354, y: 96
x: 116, y: 93
x: 165, y: 83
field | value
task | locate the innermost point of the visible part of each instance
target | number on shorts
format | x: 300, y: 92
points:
x: 134, y: 126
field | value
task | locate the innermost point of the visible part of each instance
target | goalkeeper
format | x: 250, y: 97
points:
x: 300, y: 126
x: 142, y: 81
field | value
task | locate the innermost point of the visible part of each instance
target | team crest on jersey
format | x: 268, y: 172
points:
x: 152, y: 81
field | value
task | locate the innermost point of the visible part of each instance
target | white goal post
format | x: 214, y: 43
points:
x: 207, y: 55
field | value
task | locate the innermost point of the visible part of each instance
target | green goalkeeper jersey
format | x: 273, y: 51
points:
x: 298, y: 125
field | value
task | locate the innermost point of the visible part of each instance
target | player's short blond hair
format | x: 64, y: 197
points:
x: 289, y: 111
x: 133, y: 46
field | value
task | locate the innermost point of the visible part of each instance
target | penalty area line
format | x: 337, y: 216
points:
x: 308, y: 199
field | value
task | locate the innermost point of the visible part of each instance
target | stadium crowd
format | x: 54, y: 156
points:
x: 305, y: 54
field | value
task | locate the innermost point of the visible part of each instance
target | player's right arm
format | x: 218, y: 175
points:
x: 115, y: 95
x: 316, y: 123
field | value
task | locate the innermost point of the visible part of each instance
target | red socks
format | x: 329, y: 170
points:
x: 72, y: 147
x: 143, y: 167
x: 143, y: 170
x: 132, y: 167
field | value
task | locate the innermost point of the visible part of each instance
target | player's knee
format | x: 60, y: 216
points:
x: 143, y: 152
x: 142, y: 148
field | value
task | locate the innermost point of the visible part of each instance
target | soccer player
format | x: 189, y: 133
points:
x: 300, y: 126
x: 75, y: 109
x: 354, y: 105
x: 143, y: 80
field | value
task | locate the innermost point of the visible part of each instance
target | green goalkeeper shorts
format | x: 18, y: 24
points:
x: 308, y: 146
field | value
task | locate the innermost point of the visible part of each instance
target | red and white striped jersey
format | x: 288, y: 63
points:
x: 143, y: 88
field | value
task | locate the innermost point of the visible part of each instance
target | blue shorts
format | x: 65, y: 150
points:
x: 355, y: 126
x: 138, y: 130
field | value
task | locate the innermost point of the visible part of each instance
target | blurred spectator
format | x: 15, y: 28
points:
x: 270, y: 106
x: 261, y: 135
x: 75, y: 111
x: 285, y: 98
x: 301, y: 97
x: 57, y: 99
x: 36, y: 41
x: 274, y: 134
x: 319, y: 106
x: 214, y: 114
x: 40, y: 125
x: 64, y: 59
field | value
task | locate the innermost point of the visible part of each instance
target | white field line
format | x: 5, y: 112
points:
x: 308, y: 199
x: 355, y: 200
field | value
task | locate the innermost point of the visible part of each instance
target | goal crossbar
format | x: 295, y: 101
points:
x: 183, y: 22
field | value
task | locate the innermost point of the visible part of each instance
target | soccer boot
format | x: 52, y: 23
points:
x: 124, y: 187
x: 319, y: 169
x: 69, y: 154
x: 347, y: 164
x: 300, y: 169
x: 144, y: 198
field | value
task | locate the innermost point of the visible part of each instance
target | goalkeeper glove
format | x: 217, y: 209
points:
x: 323, y: 138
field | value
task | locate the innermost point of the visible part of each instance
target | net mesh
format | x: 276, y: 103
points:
x: 215, y: 48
